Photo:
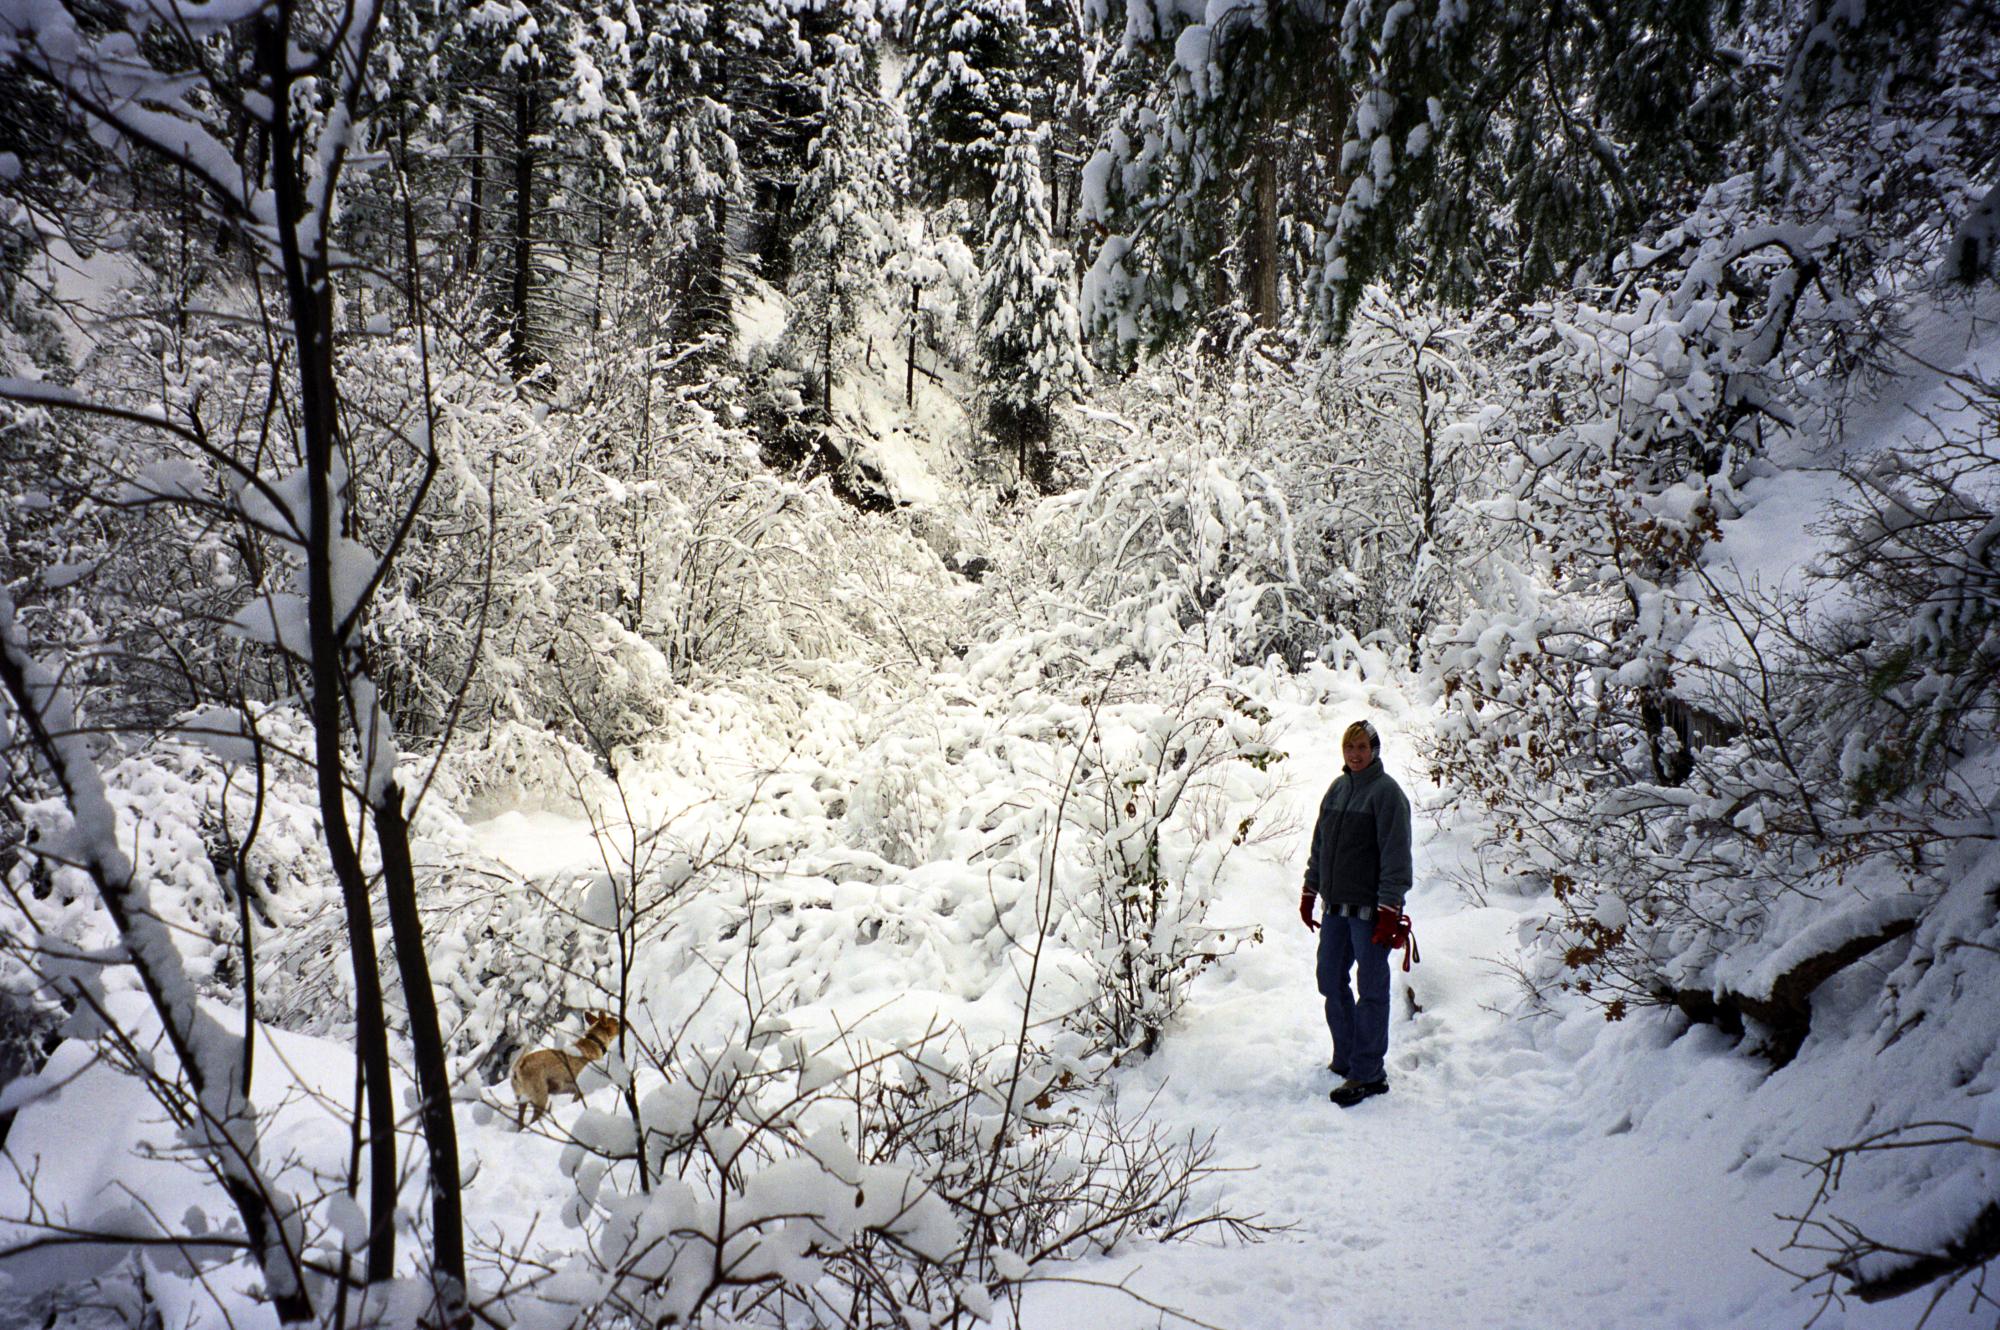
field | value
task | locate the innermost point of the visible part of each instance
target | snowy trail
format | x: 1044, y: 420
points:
x: 1506, y: 1181
x: 1443, y: 1197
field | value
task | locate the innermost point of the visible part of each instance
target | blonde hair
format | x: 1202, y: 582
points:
x: 1361, y: 729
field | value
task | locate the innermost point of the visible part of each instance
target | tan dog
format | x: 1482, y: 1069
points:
x: 548, y: 1071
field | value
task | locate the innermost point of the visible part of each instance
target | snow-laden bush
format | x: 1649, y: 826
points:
x: 511, y: 764
x: 764, y: 1178
x: 1245, y: 508
x: 1566, y: 714
x: 1408, y: 415
x: 576, y: 559
x: 1183, y: 544
x: 1919, y: 654
x: 220, y: 818
x: 1159, y: 796
x: 1729, y: 794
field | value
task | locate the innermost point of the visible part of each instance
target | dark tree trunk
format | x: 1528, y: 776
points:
x: 475, y: 213
x: 411, y: 287
x: 826, y: 366
x: 309, y: 297
x: 399, y: 885
x: 521, y: 357
x: 1263, y: 248
x: 910, y: 360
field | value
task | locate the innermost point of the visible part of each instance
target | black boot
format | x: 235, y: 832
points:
x: 1349, y: 1093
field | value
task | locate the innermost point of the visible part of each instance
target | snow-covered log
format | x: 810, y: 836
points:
x: 1777, y: 995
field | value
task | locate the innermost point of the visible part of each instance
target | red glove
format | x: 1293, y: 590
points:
x: 1306, y: 910
x: 1393, y: 930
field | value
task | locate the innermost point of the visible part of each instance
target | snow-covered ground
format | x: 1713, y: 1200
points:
x: 1523, y: 1172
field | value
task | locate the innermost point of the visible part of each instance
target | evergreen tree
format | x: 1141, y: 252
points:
x: 1481, y: 150
x: 771, y: 88
x: 847, y: 202
x: 1217, y: 156
x: 678, y: 152
x: 1029, y: 337
x: 966, y: 77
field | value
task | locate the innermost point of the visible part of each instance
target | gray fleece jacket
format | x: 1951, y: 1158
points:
x: 1361, y: 843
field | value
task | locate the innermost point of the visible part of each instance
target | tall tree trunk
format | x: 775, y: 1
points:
x: 475, y: 213
x: 410, y: 284
x: 597, y: 283
x: 826, y: 366
x: 520, y: 357
x: 1263, y: 274
x: 708, y: 281
x: 910, y: 361
x: 309, y: 297
x: 399, y: 884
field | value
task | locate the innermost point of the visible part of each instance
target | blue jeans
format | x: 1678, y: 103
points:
x: 1360, y: 1029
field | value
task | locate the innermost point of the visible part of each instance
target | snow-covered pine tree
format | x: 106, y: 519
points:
x: 767, y: 81
x: 1479, y: 150
x: 1210, y: 174
x: 847, y: 203
x: 682, y: 160
x: 1029, y: 337
x: 514, y: 57
x: 965, y: 78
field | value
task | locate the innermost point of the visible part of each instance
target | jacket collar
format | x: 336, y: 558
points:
x: 1367, y: 774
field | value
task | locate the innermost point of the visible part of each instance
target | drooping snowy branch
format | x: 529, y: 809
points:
x: 210, y: 1055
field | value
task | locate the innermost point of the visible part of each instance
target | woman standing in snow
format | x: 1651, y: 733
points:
x: 1359, y: 869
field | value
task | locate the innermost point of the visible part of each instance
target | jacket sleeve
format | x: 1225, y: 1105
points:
x: 1392, y: 835
x: 1312, y: 851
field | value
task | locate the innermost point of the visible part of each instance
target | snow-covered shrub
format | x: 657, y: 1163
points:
x: 760, y: 1179
x: 512, y: 764
x: 1920, y: 545
x: 1182, y: 545
x: 1256, y: 506
x: 1564, y: 711
x: 122, y: 543
x: 903, y: 791
x: 1407, y: 418
x: 1158, y: 798
x: 224, y: 841
x: 575, y: 560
